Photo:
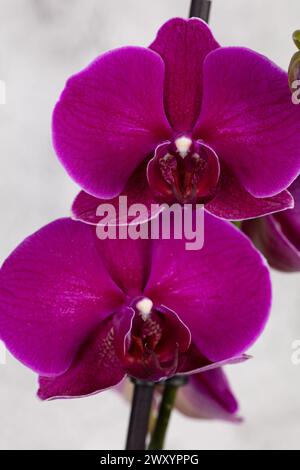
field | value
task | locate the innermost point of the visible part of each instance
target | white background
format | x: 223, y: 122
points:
x: 42, y: 42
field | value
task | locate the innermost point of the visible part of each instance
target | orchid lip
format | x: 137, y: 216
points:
x: 148, y: 351
x: 184, y: 170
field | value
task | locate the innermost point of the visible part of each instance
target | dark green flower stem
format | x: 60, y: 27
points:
x: 140, y: 414
x: 168, y: 400
x: 200, y: 9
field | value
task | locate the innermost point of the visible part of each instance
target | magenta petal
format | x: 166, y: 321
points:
x: 267, y: 235
x: 54, y: 290
x: 278, y: 236
x: 109, y: 119
x: 249, y: 119
x: 95, y: 368
x: 137, y: 191
x: 222, y: 292
x: 290, y: 220
x: 233, y: 202
x: 183, y: 45
x: 128, y: 263
x: 208, y: 396
x: 193, y: 363
x: 84, y: 208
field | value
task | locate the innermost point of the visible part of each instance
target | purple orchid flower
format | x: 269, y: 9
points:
x: 188, y: 120
x: 83, y: 313
x: 278, y: 236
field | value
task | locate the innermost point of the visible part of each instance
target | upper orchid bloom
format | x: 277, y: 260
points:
x: 83, y: 313
x: 278, y: 236
x: 189, y: 120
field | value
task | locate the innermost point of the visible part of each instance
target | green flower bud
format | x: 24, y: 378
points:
x: 294, y: 69
x: 296, y: 38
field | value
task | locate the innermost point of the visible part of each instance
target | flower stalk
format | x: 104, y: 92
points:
x: 140, y: 414
x: 165, y: 410
x: 200, y: 9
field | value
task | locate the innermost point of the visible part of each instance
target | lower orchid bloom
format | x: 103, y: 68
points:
x: 84, y: 313
x: 186, y: 120
x: 278, y: 236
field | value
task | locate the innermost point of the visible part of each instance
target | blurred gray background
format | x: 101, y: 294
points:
x: 43, y: 42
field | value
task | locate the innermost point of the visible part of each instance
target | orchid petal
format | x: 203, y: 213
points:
x: 109, y: 118
x: 222, y: 292
x: 278, y: 236
x: 290, y: 220
x: 128, y: 262
x: 95, y: 368
x: 267, y: 235
x: 183, y: 45
x: 249, y: 119
x: 233, y: 202
x: 86, y: 207
x: 191, y: 362
x: 54, y: 291
x: 208, y: 396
